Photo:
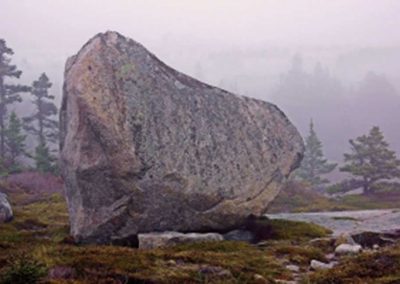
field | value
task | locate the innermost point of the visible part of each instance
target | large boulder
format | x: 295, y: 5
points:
x: 146, y: 148
x: 6, y: 213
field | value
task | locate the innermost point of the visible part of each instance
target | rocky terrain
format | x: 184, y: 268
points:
x: 146, y: 148
x: 35, y: 247
x: 349, y: 222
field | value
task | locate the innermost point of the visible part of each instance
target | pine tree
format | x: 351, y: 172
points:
x: 45, y: 162
x: 42, y: 123
x: 15, y: 141
x: 314, y: 164
x: 9, y: 93
x: 371, y: 160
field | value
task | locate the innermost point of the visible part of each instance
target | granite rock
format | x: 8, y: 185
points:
x: 146, y: 148
x: 6, y: 213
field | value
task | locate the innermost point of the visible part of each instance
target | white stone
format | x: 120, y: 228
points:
x: 347, y: 249
x: 319, y: 265
x: 293, y: 268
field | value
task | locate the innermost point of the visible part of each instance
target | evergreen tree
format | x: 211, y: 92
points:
x: 15, y: 141
x: 42, y: 123
x: 314, y: 164
x: 9, y: 93
x: 45, y: 162
x: 371, y: 160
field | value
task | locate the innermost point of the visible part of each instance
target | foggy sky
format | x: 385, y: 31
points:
x: 60, y: 27
x: 46, y: 32
x: 241, y: 45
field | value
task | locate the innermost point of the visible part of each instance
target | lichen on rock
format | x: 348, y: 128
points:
x: 6, y: 213
x: 146, y: 148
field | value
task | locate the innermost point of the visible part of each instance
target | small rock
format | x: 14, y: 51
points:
x: 6, y: 213
x: 369, y: 239
x: 165, y: 239
x: 62, y: 272
x: 347, y: 249
x: 319, y: 265
x: 293, y: 268
x: 215, y: 271
x: 279, y: 281
x: 171, y: 262
x: 375, y: 247
x: 239, y: 235
x: 330, y: 256
x: 259, y: 279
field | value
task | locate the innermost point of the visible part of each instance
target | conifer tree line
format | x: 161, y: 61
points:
x: 41, y: 123
x: 370, y: 163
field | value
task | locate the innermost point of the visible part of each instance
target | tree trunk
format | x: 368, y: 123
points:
x: 40, y: 122
x: 367, y: 187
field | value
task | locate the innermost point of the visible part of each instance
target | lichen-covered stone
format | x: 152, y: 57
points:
x: 146, y: 148
x: 6, y: 213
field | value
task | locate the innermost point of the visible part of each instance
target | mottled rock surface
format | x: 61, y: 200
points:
x: 166, y: 239
x: 6, y: 213
x: 146, y: 148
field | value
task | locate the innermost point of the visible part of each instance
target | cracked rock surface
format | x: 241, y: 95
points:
x: 146, y: 148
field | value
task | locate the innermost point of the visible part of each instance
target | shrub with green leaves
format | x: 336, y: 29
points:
x: 22, y: 269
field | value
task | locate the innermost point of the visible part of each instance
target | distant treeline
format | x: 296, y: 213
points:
x: 41, y: 123
x: 370, y: 163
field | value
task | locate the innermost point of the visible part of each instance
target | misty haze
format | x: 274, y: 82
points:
x: 199, y: 141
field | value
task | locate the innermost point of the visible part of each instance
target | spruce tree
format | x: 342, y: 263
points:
x: 42, y: 123
x: 371, y: 160
x: 45, y: 162
x: 15, y: 141
x: 314, y: 164
x: 9, y: 93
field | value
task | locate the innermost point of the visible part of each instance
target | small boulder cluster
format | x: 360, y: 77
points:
x: 353, y: 245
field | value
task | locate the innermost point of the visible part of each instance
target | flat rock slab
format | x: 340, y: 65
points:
x: 349, y: 222
x: 146, y: 148
x: 6, y: 213
x: 166, y: 239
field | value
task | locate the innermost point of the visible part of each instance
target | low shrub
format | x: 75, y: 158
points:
x: 23, y: 269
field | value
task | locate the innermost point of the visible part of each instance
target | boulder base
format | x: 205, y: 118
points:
x: 145, y: 148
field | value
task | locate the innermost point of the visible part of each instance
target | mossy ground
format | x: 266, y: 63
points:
x: 379, y: 267
x: 298, y: 197
x: 39, y: 232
